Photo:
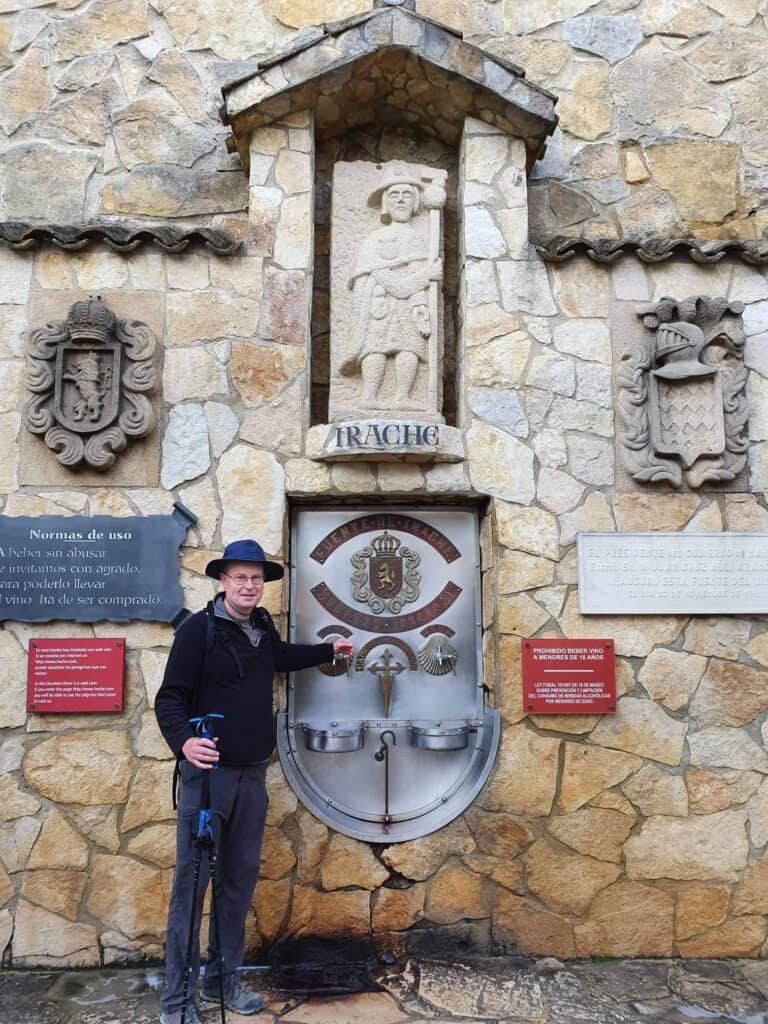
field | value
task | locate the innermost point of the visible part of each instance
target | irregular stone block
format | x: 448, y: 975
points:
x: 185, y: 445
x: 420, y: 858
x: 628, y: 919
x: 634, y: 635
x: 741, y: 936
x: 260, y: 372
x: 610, y: 37
x: 25, y: 91
x: 641, y: 727
x: 673, y: 166
x: 527, y: 529
x: 671, y: 676
x: 157, y: 844
x: 591, y: 460
x: 57, y: 891
x: 243, y: 517
x: 716, y: 747
x: 129, y: 896
x: 525, y: 287
x: 525, y: 775
x: 557, y: 491
x: 520, y: 20
x: 528, y: 929
x: 13, y: 706
x: 398, y: 909
x: 16, y: 840
x: 155, y: 130
x: 566, y: 882
x: 101, y: 26
x: 553, y: 373
x: 499, y: 835
x: 348, y: 862
x: 730, y: 694
x: 500, y: 362
x: 587, y: 771
x: 700, y: 908
x: 758, y: 816
x: 699, y: 848
x: 88, y: 767
x: 593, y: 831
x: 222, y: 426
x: 657, y: 87
x: 654, y: 791
x: 58, y: 845
x: 517, y: 571
x: 328, y: 914
x: 454, y: 894
x: 521, y: 615
x: 723, y: 638
x: 43, y: 939
x: 36, y: 168
x: 499, y: 464
x: 160, y: 190
x: 710, y: 791
x: 150, y: 798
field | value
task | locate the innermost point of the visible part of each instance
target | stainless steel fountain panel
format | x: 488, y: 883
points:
x: 404, y: 585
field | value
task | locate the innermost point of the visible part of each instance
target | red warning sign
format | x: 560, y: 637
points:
x: 569, y: 677
x: 75, y: 676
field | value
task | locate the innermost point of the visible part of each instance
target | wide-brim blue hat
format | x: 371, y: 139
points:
x: 245, y: 551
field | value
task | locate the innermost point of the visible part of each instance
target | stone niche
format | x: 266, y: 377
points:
x: 388, y: 98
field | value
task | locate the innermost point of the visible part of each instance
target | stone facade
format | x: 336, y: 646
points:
x: 639, y: 834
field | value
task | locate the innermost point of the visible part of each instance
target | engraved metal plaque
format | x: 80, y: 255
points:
x: 673, y: 573
x: 398, y: 742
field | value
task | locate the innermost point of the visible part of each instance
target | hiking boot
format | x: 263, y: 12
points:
x: 175, y: 1018
x: 237, y: 997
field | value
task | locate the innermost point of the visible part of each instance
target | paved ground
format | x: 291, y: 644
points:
x: 505, y: 990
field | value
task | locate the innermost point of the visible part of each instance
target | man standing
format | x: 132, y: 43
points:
x: 223, y: 661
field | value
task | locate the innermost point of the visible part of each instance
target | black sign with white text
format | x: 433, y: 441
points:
x: 90, y: 568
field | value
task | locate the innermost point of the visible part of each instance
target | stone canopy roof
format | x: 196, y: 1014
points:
x: 392, y: 66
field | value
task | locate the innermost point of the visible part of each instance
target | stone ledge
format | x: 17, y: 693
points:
x: 383, y: 440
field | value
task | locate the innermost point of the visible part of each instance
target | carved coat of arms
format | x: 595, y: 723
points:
x: 682, y: 397
x: 89, y: 375
x: 386, y: 575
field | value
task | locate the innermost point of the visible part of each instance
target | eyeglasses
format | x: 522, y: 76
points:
x: 240, y: 580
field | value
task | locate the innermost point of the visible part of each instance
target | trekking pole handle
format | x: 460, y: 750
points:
x: 203, y: 729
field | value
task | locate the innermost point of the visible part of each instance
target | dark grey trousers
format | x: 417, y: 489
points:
x: 239, y: 801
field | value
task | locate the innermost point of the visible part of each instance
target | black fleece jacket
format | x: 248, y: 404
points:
x: 221, y: 671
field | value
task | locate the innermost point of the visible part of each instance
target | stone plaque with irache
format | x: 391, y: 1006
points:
x: 673, y: 573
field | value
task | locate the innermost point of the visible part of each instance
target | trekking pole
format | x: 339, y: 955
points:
x: 203, y: 840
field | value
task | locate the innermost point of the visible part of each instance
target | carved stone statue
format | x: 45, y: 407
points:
x: 386, y: 340
x: 89, y: 375
x: 682, y: 396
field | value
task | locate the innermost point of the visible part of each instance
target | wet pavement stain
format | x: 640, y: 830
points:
x: 486, y: 990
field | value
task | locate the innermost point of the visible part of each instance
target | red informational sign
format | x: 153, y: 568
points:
x: 569, y: 677
x: 75, y: 676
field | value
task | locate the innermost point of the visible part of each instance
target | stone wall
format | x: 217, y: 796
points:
x: 642, y: 833
x: 662, y: 119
